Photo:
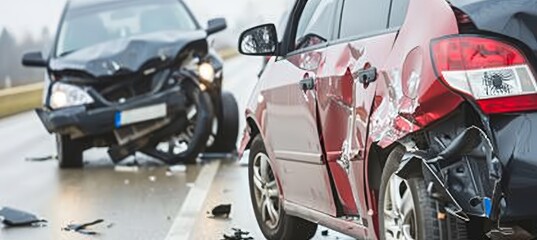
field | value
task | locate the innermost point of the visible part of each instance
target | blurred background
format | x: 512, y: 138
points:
x: 28, y: 25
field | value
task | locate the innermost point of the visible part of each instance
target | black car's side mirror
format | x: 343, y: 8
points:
x: 216, y: 25
x: 34, y: 59
x: 259, y: 41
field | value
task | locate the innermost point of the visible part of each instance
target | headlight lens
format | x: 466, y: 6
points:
x: 66, y: 95
x: 206, y: 72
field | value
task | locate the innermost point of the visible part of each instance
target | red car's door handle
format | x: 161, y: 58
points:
x: 366, y: 76
x: 307, y: 83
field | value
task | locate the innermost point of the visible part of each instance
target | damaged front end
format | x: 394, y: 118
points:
x: 480, y: 171
x: 147, y: 90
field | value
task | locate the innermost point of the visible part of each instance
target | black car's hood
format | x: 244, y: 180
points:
x: 131, y: 55
x: 514, y: 18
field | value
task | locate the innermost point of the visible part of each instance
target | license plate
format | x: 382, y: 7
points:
x: 140, y: 114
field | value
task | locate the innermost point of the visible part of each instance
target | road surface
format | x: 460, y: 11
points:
x: 146, y: 204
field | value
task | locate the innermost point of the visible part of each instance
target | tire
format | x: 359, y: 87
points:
x: 228, y: 125
x: 69, y: 152
x: 427, y: 223
x: 286, y: 227
x: 200, y: 132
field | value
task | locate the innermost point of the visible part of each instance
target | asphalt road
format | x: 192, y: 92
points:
x: 145, y: 204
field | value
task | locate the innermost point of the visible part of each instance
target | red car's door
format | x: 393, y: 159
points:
x: 291, y: 120
x: 357, y: 57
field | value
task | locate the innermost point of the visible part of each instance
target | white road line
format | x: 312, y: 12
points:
x: 186, y: 218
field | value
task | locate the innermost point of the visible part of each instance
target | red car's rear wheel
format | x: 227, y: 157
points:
x: 407, y: 212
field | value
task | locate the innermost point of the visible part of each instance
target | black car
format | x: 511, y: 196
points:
x: 135, y: 76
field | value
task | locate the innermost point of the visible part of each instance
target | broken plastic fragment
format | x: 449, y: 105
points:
x: 238, y: 235
x: 122, y: 168
x: 41, y: 159
x: 209, y: 156
x: 17, y: 218
x: 83, y: 228
x: 222, y: 210
x: 324, y: 233
x: 175, y: 169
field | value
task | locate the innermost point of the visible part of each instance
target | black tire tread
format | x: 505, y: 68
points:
x: 228, y: 125
x: 70, y: 152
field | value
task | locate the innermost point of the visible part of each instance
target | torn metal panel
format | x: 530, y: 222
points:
x: 465, y: 174
x: 393, y: 118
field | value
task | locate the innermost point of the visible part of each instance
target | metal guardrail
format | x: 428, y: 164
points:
x: 20, y: 99
x: 24, y: 98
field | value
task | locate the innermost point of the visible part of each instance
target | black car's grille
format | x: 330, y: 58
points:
x: 119, y: 90
x: 126, y: 89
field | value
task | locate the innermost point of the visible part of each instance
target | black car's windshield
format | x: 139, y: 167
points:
x: 90, y: 25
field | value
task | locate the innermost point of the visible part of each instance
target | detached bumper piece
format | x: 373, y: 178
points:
x: 465, y: 175
x: 492, y: 176
x: 82, y: 121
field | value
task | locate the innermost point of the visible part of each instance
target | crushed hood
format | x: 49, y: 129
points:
x: 514, y: 18
x: 131, y: 55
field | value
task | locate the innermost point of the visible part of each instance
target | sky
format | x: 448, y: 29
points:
x: 22, y: 17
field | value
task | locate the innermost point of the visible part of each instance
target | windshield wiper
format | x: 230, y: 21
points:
x: 63, y: 54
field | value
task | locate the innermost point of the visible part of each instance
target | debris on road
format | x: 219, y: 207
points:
x: 190, y: 185
x: 124, y: 168
x: 127, y: 182
x: 238, y: 235
x: 42, y: 159
x: 221, y: 211
x: 83, y: 228
x: 175, y: 169
x: 16, y: 218
x: 324, y: 233
x: 152, y: 178
x: 210, y: 156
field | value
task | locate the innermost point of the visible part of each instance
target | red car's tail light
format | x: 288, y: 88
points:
x: 493, y: 72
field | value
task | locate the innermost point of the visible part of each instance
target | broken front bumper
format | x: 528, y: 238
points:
x: 492, y: 175
x: 81, y: 121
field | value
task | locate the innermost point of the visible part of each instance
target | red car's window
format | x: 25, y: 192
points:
x: 398, y: 13
x: 372, y: 17
x: 315, y: 24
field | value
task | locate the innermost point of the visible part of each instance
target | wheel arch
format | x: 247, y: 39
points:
x: 252, y: 130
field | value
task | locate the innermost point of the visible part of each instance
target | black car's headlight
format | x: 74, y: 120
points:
x: 67, y: 95
x: 206, y: 72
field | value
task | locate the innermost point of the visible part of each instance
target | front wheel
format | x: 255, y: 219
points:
x: 407, y: 212
x: 228, y: 125
x: 274, y: 223
x: 69, y: 152
x: 186, y: 145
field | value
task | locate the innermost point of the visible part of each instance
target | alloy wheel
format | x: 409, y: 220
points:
x: 266, y: 191
x: 180, y: 142
x: 399, y: 210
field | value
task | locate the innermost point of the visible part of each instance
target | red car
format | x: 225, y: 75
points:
x: 396, y: 119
